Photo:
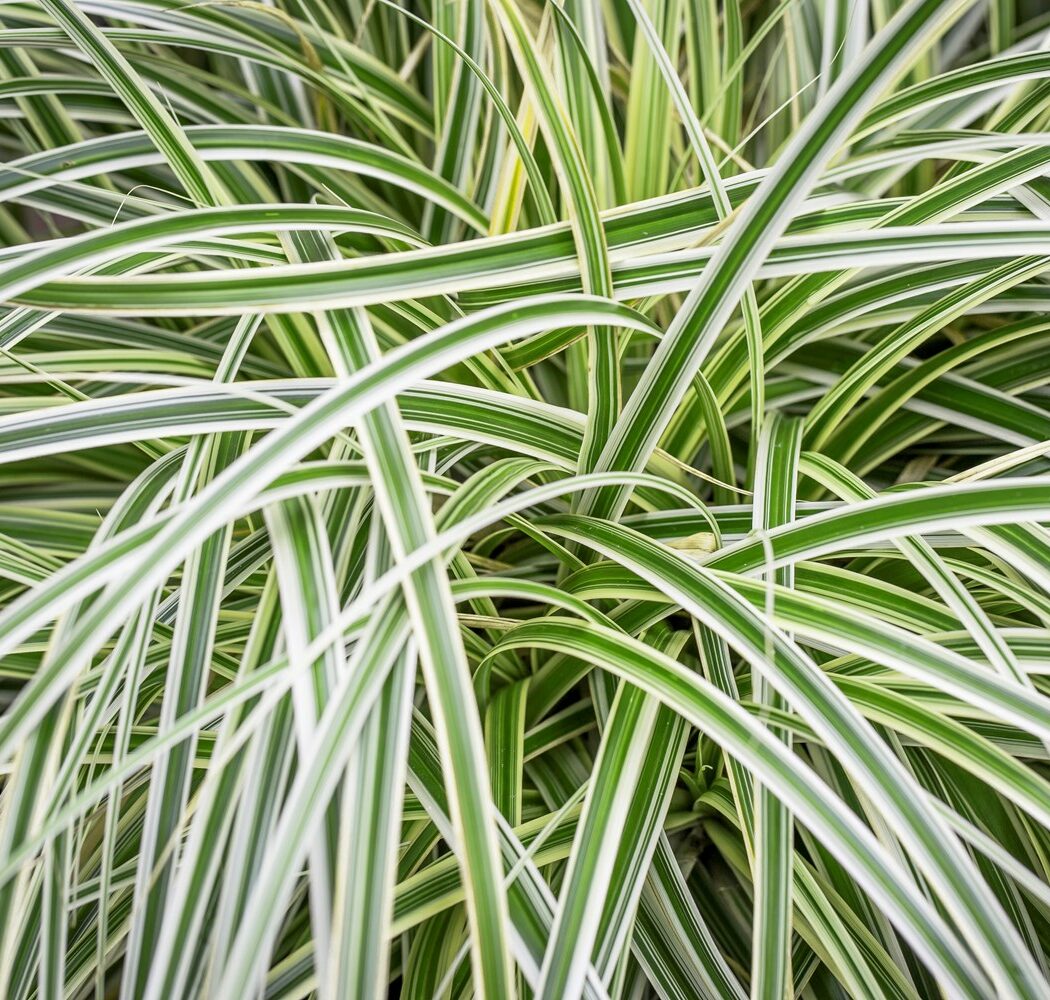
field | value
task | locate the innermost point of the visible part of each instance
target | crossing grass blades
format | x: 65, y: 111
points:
x: 535, y: 498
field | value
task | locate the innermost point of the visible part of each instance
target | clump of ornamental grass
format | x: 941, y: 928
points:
x: 535, y: 498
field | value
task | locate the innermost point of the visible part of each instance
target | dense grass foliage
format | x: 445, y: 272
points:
x: 540, y: 498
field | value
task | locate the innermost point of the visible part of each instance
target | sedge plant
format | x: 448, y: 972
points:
x: 524, y: 498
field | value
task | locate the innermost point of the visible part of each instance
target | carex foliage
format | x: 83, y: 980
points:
x: 540, y: 498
